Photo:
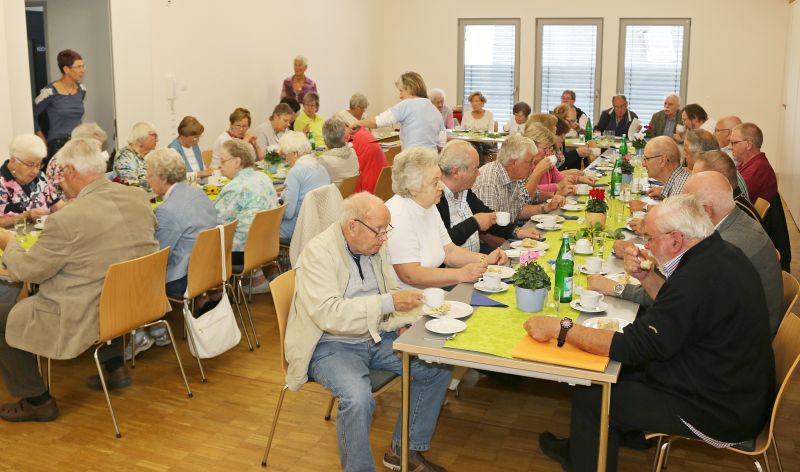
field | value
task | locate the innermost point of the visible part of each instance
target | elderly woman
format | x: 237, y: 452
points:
x: 129, y: 164
x: 479, y: 119
x: 84, y: 131
x: 25, y: 193
x: 357, y: 107
x: 298, y: 85
x: 516, y: 122
x: 420, y: 121
x: 305, y: 174
x: 340, y: 160
x: 269, y: 132
x: 438, y: 98
x: 187, y: 146
x: 62, y: 102
x: 546, y: 180
x: 419, y: 243
x: 247, y: 193
x: 308, y: 121
x: 239, y: 128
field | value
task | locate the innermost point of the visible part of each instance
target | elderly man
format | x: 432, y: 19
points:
x: 704, y: 362
x: 343, y: 321
x: 713, y: 191
x: 358, y: 105
x: 697, y: 141
x: 617, y: 118
x: 663, y: 162
x: 664, y: 122
x: 498, y: 183
x: 103, y: 224
x: 718, y: 161
x: 463, y: 213
x: 722, y: 131
x: 752, y: 163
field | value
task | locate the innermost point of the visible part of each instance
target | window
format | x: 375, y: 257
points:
x: 488, y: 56
x: 654, y: 56
x: 568, y: 57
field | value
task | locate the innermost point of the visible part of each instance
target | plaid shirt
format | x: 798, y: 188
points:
x: 674, y: 184
x: 460, y: 211
x: 496, y: 189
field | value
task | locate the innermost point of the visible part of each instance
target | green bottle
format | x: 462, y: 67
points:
x: 311, y: 140
x: 623, y: 148
x: 616, y: 176
x: 565, y: 267
x: 588, y: 132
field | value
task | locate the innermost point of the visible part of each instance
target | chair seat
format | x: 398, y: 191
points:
x: 379, y: 378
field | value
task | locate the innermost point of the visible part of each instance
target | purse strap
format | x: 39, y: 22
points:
x: 222, y: 250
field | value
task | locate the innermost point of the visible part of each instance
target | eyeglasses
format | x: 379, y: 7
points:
x: 732, y: 142
x: 647, y: 238
x: 240, y: 126
x: 223, y: 161
x: 376, y: 232
x: 720, y: 130
x: 80, y: 67
x: 647, y: 158
x: 29, y: 165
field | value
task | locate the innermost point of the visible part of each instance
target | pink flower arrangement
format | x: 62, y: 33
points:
x: 529, y: 257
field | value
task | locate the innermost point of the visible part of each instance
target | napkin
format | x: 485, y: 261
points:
x: 567, y: 355
x: 566, y: 217
x: 634, y: 128
x: 479, y: 299
x: 599, y: 185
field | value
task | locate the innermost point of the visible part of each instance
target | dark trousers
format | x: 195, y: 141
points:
x: 19, y: 369
x: 634, y: 407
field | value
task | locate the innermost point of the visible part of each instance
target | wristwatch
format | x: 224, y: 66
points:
x: 618, y: 289
x: 566, y: 325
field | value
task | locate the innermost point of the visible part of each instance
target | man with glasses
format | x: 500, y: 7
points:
x: 722, y: 131
x: 662, y: 160
x: 618, y: 118
x: 752, y: 163
x: 347, y: 312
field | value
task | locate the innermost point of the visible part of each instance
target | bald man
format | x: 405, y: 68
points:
x: 662, y: 159
x: 722, y: 131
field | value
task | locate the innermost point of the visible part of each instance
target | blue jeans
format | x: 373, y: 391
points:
x: 343, y: 369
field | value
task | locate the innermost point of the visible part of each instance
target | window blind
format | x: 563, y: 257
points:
x: 568, y: 61
x: 489, y: 67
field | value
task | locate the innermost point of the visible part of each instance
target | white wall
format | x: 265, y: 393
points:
x: 787, y: 163
x: 16, y: 107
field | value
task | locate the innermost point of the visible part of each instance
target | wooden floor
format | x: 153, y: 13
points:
x: 494, y: 426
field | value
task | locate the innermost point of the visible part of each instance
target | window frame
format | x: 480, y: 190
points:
x: 598, y: 69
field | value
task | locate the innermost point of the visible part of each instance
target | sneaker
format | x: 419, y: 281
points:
x: 142, y: 343
x: 25, y: 411
x: 416, y: 462
x: 162, y: 340
x: 260, y: 288
x: 556, y: 449
x: 115, y: 380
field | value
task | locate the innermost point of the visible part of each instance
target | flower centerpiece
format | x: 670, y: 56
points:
x: 531, y: 283
x: 596, y: 208
x: 272, y: 158
x: 638, y: 140
x: 627, y: 169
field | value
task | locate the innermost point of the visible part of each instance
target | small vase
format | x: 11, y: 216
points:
x: 530, y: 301
x: 626, y: 178
x: 273, y: 168
x: 593, y: 218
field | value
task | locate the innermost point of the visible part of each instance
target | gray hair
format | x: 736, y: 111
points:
x: 408, y: 170
x: 684, y: 214
x: 243, y: 150
x: 699, y: 140
x: 515, y: 148
x: 333, y: 132
x: 358, y: 100
x: 294, y: 141
x: 166, y: 164
x: 357, y: 206
x: 27, y: 146
x: 301, y: 59
x: 140, y: 131
x: 711, y: 188
x: 84, y: 156
x: 90, y: 131
x: 436, y: 93
x: 455, y: 155
x: 672, y: 95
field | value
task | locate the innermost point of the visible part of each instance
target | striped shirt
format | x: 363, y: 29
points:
x: 460, y: 211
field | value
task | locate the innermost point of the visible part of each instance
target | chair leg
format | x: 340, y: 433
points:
x: 105, y: 391
x: 661, y: 455
x: 177, y: 356
x: 774, y: 449
x: 274, y: 425
x: 232, y: 292
x: 330, y: 408
x: 188, y: 335
x: 132, y: 338
x: 249, y: 314
x: 250, y: 290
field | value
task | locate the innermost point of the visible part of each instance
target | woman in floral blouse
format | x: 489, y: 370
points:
x: 24, y: 190
x: 129, y: 163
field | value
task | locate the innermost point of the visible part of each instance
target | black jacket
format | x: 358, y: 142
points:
x: 605, y: 123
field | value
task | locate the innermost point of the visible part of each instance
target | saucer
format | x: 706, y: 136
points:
x: 457, y: 310
x: 482, y: 288
x: 505, y: 272
x: 544, y: 228
x: 540, y: 246
x: 572, y: 207
x: 445, y: 326
x: 538, y: 218
x: 586, y: 271
x: 601, y: 307
x: 513, y: 253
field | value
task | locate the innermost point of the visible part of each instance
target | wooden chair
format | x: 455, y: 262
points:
x: 282, y: 289
x: 348, y: 185
x: 205, y: 274
x: 791, y: 289
x: 787, y: 356
x: 207, y: 155
x: 133, y: 297
x: 261, y: 247
x: 383, y: 186
x: 391, y: 152
x: 761, y: 207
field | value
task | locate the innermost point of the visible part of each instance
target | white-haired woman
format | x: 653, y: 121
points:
x: 24, y: 190
x: 419, y: 245
x: 298, y: 85
x: 305, y: 174
x: 84, y: 131
x: 339, y: 159
x: 129, y: 164
x: 438, y: 98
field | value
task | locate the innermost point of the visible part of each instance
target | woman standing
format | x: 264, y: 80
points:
x: 298, y: 85
x: 62, y: 101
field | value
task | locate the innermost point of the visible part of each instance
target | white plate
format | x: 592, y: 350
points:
x: 573, y: 207
x: 544, y: 228
x: 592, y: 322
x: 619, y: 278
x: 39, y: 226
x: 540, y: 246
x: 604, y: 168
x: 480, y: 286
x: 445, y: 326
x: 505, y: 272
x: 457, y: 310
x: 538, y: 218
x: 601, y: 307
x: 584, y: 270
x: 568, y: 201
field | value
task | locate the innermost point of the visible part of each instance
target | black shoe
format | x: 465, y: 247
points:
x: 556, y: 449
x: 120, y: 378
x: 635, y: 440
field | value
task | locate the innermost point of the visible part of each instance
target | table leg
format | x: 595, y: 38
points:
x: 406, y: 394
x: 605, y: 406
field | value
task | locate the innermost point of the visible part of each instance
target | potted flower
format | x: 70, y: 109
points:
x: 531, y: 283
x: 638, y: 139
x: 596, y: 208
x: 627, y: 169
x: 272, y: 158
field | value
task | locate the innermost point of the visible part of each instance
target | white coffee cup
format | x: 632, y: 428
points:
x: 491, y: 280
x: 639, y: 214
x: 582, y: 189
x: 503, y: 218
x: 433, y: 297
x: 584, y: 245
x: 549, y: 221
x: 594, y: 264
x: 591, y: 299
x: 553, y: 160
x: 680, y: 129
x: 596, y: 151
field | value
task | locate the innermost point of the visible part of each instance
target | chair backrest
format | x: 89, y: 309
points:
x: 383, y: 187
x: 348, y: 186
x: 791, y: 289
x: 787, y: 355
x: 282, y: 290
x: 391, y: 152
x: 263, y: 241
x: 207, y: 155
x: 134, y: 293
x: 205, y: 272
x: 321, y: 207
x: 761, y: 207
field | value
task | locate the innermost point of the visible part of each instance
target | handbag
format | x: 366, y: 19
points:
x: 216, y: 330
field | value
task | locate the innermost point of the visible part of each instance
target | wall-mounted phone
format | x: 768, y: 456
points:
x: 171, y: 90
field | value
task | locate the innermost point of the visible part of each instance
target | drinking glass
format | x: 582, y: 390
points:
x: 599, y: 244
x: 553, y: 304
x: 20, y: 229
